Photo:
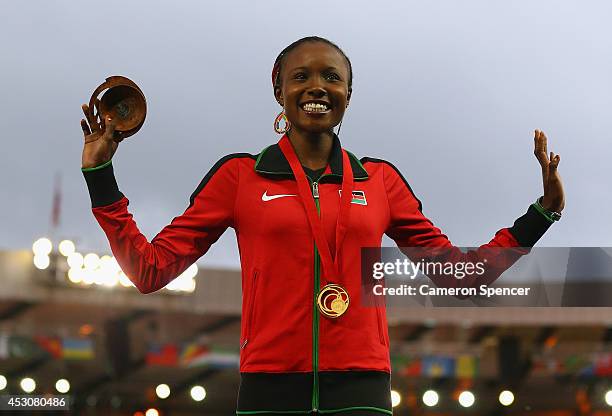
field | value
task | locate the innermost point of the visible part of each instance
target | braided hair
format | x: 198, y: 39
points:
x: 276, y: 69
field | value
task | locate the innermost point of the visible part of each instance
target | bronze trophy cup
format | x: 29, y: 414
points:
x: 123, y: 101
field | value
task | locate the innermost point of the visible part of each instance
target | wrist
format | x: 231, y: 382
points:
x: 548, y: 205
x: 551, y: 214
x: 88, y: 167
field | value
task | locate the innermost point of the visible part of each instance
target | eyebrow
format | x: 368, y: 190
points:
x: 329, y: 68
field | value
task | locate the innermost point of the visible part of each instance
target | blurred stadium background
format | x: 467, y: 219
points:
x: 71, y: 322
x: 456, y: 75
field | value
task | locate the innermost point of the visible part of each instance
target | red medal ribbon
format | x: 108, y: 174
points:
x: 331, y: 266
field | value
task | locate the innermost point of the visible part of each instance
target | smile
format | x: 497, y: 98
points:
x: 317, y: 108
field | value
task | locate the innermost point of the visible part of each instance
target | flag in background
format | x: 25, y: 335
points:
x: 77, y: 349
x: 413, y: 368
x: 166, y: 354
x: 52, y: 345
x: 603, y: 365
x: 216, y: 357
x: 466, y: 366
x: 438, y: 366
x: 192, y: 353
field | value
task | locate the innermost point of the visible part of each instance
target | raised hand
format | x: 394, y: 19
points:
x: 101, y: 139
x: 554, y: 197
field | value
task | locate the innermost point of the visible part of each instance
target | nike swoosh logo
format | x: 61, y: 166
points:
x: 265, y: 197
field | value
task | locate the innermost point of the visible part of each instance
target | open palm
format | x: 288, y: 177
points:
x: 554, y: 197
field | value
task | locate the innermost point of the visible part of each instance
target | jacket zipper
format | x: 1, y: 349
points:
x: 250, y: 307
x: 315, y: 316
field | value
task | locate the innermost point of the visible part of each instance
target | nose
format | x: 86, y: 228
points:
x: 315, y: 88
x: 316, y: 91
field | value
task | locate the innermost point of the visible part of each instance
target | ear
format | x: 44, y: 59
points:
x: 278, y: 94
x: 348, y: 96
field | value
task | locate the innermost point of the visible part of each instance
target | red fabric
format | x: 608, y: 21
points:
x: 329, y: 261
x: 277, y: 257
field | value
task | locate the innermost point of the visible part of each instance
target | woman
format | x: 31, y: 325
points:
x: 307, y: 344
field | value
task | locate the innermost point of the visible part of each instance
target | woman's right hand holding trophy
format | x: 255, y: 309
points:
x: 101, y: 141
x: 119, y: 114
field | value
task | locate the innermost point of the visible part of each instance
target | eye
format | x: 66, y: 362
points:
x: 299, y: 75
x: 332, y: 76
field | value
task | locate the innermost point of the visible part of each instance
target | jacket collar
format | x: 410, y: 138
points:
x: 272, y: 161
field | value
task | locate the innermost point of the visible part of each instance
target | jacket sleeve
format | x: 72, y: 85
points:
x: 409, y: 228
x: 152, y: 265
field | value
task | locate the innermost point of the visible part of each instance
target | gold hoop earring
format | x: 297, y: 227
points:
x: 277, y: 128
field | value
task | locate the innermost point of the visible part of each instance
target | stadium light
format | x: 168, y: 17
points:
x: 430, y: 398
x: 109, y: 269
x: 185, y: 281
x: 62, y: 386
x: 91, y: 261
x: 506, y: 397
x: 42, y: 246
x: 608, y: 398
x: 100, y: 270
x: 88, y: 277
x: 3, y: 382
x: 162, y: 391
x: 191, y: 271
x: 395, y: 398
x: 75, y: 275
x: 124, y: 280
x: 85, y: 330
x: 198, y: 393
x: 466, y: 398
x: 110, y: 279
x: 99, y: 277
x: 41, y: 261
x: 28, y: 385
x: 151, y: 412
x: 75, y: 260
x: 66, y: 248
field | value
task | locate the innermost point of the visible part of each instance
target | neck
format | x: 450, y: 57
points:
x: 312, y: 149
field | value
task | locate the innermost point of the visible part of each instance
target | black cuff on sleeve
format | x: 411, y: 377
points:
x: 102, y: 186
x: 530, y: 227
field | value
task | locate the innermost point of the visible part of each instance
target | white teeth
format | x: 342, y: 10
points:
x: 314, y: 107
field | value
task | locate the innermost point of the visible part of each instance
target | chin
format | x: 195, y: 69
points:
x: 319, y: 129
x: 316, y: 128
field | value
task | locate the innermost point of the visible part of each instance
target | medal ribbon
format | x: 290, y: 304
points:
x: 330, y: 265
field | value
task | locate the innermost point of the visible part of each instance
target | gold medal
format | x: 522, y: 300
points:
x: 333, y: 300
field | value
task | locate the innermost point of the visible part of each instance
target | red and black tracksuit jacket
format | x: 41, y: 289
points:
x: 292, y: 358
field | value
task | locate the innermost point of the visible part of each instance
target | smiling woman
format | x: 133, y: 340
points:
x: 302, y: 209
x: 306, y: 62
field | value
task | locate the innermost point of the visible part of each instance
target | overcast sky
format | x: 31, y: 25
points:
x: 449, y: 91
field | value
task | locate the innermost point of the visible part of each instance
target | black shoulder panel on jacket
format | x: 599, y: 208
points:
x: 214, y: 170
x: 373, y: 160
